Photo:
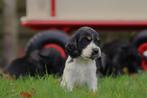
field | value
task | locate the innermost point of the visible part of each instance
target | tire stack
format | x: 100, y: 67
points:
x: 140, y: 41
x: 53, y: 41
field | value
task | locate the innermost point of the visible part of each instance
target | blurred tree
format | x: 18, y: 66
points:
x: 10, y: 30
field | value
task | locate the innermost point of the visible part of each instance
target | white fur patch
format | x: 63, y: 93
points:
x: 87, y: 52
x: 79, y: 72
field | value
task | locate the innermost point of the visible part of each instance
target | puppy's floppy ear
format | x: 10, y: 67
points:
x: 72, y: 49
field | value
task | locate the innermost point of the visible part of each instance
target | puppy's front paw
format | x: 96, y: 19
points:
x: 62, y: 84
x: 68, y: 86
x: 93, y: 86
x: 94, y: 90
x: 92, y: 93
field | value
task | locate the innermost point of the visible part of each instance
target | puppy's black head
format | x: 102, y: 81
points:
x: 84, y: 40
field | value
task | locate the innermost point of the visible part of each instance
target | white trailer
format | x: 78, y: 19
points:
x: 45, y: 14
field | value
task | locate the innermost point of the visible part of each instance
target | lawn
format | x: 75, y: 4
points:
x: 49, y: 87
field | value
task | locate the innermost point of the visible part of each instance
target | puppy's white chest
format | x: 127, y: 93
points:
x: 79, y: 73
x: 83, y: 72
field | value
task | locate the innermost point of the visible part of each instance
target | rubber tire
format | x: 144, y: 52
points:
x: 140, y: 38
x: 45, y: 37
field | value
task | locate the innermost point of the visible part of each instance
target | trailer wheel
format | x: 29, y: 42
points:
x: 51, y: 43
x: 140, y: 41
x: 140, y: 38
x: 48, y: 39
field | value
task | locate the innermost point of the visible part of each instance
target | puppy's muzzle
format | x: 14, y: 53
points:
x: 95, y: 53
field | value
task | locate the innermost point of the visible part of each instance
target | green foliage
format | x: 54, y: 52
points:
x: 49, y: 87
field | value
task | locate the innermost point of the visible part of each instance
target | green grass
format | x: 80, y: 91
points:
x: 49, y: 87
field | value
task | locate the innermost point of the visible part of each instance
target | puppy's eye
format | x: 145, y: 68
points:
x: 97, y: 38
x: 97, y: 41
x: 85, y: 41
x: 89, y: 38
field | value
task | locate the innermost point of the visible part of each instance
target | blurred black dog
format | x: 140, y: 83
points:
x: 39, y: 62
x: 119, y: 57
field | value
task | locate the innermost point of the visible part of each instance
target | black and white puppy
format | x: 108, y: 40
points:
x: 80, y: 67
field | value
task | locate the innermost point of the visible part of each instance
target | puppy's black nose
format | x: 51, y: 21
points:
x: 95, y: 51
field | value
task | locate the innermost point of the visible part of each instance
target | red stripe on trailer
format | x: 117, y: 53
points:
x: 85, y: 22
x: 46, y: 24
x: 53, y: 8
